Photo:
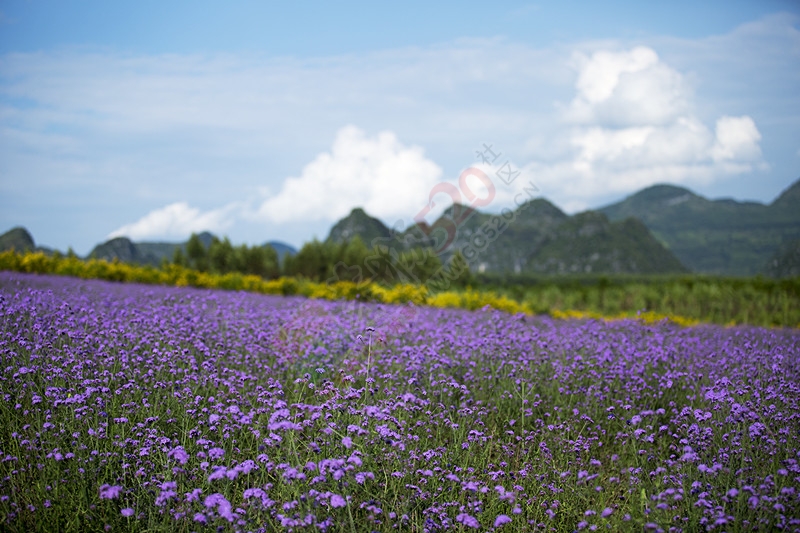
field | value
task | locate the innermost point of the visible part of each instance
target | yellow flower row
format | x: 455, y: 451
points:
x: 648, y: 317
x: 38, y: 262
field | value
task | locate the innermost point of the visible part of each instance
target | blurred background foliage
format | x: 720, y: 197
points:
x: 351, y: 271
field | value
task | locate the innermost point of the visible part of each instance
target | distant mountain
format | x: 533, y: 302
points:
x: 17, y: 239
x: 534, y: 225
x: 124, y: 249
x: 20, y: 239
x: 361, y: 224
x: 536, y: 238
x: 659, y: 229
x: 789, y: 200
x: 153, y: 253
x: 145, y: 253
x: 715, y: 236
x: 786, y: 261
x: 589, y: 243
x: 515, y: 243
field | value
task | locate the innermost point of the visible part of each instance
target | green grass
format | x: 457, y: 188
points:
x: 757, y: 301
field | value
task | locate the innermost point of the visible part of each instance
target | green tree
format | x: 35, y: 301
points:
x: 460, y: 264
x: 389, y: 266
x: 422, y: 262
x: 314, y: 261
x: 380, y: 266
x: 352, y: 253
x: 179, y: 257
x: 271, y: 262
x: 221, y: 256
x: 197, y: 253
x: 258, y: 260
x: 453, y: 273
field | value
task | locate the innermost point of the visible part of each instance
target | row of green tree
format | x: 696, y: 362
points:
x: 221, y: 257
x: 324, y: 261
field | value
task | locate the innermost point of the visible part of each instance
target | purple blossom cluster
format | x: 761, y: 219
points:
x: 180, y: 409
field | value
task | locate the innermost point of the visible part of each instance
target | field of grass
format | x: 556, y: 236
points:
x: 130, y: 407
x: 758, y: 301
x: 686, y: 300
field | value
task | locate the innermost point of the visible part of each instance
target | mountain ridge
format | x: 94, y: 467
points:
x: 721, y: 236
x: 710, y: 236
x: 536, y: 238
x: 153, y: 253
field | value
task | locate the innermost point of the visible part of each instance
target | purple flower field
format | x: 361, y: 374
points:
x: 129, y: 407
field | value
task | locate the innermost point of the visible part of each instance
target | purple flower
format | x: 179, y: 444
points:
x: 218, y: 473
x: 337, y: 501
x: 247, y: 466
x: 292, y: 473
x: 109, y: 492
x: 167, y: 493
x: 502, y: 519
x: 467, y: 520
x: 222, y: 505
x: 179, y: 454
x: 284, y: 425
x: 361, y: 477
x: 122, y: 346
x: 216, y: 453
x: 253, y: 493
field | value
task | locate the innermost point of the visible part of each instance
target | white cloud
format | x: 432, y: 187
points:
x: 626, y: 88
x: 177, y: 220
x: 380, y: 174
x: 685, y: 141
x: 737, y: 139
x: 630, y: 126
x: 600, y: 74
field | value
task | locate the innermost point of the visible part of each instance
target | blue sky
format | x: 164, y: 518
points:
x: 156, y: 119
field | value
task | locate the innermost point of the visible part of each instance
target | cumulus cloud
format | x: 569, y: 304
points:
x: 737, y: 139
x: 380, y: 174
x: 630, y: 125
x: 176, y: 220
x: 629, y: 88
